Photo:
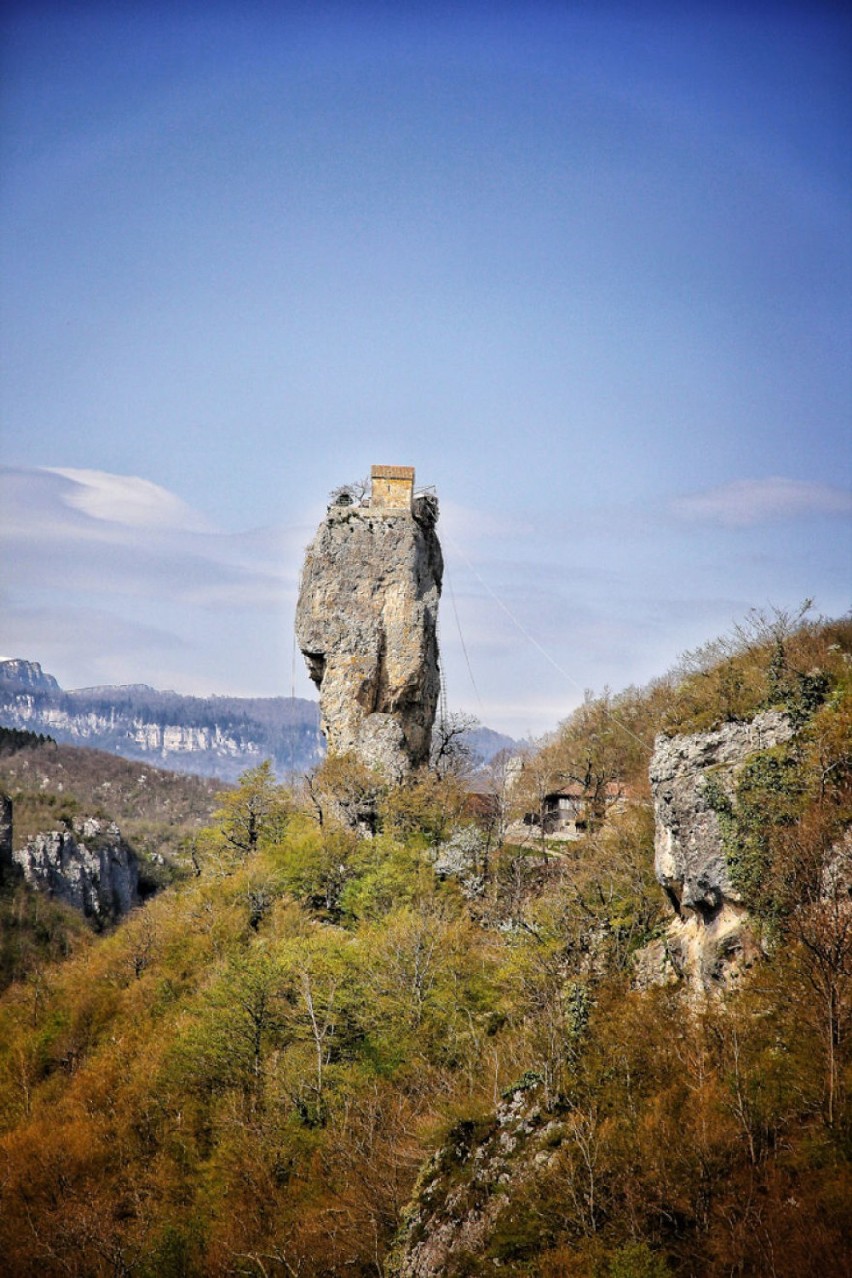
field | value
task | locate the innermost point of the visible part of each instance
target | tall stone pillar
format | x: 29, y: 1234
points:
x: 366, y: 623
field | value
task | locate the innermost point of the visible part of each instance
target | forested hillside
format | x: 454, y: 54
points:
x: 400, y: 1030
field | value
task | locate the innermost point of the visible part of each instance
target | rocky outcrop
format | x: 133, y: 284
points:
x: 90, y: 868
x: 366, y: 623
x: 463, y: 857
x: 708, y: 941
x: 454, y: 1218
x: 5, y: 835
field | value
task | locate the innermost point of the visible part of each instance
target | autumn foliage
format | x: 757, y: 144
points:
x: 247, y: 1075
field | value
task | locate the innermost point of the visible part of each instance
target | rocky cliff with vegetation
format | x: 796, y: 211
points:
x: 694, y: 778
x: 327, y: 1055
x: 64, y: 859
x: 753, y: 848
x: 366, y: 623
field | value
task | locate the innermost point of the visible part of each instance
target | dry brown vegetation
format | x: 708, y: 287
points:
x: 44, y: 776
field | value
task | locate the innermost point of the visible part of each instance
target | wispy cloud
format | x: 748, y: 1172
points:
x: 128, y: 500
x: 120, y: 535
x: 110, y: 578
x: 117, y: 638
x: 744, y: 503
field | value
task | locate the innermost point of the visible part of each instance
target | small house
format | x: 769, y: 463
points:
x: 391, y: 487
x: 571, y: 811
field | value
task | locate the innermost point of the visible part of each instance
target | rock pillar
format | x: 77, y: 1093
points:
x: 366, y: 623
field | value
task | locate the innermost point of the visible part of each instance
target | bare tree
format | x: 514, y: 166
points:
x: 354, y: 494
x: 452, y: 753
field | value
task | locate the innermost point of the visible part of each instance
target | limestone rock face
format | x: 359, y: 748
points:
x: 91, y: 868
x: 214, y: 736
x: 710, y: 935
x: 366, y: 623
x: 688, y: 857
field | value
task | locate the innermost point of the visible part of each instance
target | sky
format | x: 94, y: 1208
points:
x: 586, y: 266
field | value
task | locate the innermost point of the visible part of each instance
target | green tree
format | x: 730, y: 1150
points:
x: 243, y: 1014
x: 254, y: 813
x: 597, y: 749
x: 345, y: 791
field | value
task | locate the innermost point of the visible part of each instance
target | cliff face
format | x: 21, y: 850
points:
x: 468, y: 1185
x: 471, y: 1197
x: 91, y: 869
x: 366, y: 624
x: 709, y: 935
x: 26, y: 676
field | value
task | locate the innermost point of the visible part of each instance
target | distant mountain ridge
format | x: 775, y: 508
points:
x: 218, y: 736
x: 212, y: 736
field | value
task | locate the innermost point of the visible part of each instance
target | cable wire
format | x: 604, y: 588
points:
x: 461, y: 639
x: 535, y: 643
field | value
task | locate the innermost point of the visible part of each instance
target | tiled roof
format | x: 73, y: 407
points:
x: 393, y: 472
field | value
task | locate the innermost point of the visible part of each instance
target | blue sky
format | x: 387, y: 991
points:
x: 587, y: 267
